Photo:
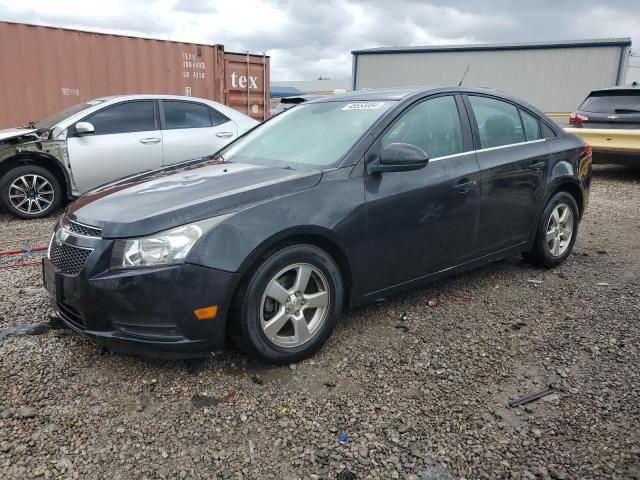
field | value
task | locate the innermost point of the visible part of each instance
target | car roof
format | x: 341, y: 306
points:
x: 630, y: 88
x: 147, y: 96
x: 402, y: 93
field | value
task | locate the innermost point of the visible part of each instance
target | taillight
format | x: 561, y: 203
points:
x: 576, y: 117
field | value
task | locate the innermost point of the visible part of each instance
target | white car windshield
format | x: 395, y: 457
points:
x: 314, y: 134
x: 52, y: 120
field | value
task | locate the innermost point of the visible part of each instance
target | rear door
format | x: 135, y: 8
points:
x: 126, y: 140
x: 619, y: 108
x: 192, y: 130
x: 513, y: 161
x: 423, y: 221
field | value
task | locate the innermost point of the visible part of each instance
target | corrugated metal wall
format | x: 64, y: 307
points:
x: 554, y: 80
x: 44, y: 70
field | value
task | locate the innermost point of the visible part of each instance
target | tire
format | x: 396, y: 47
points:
x: 552, y: 243
x: 272, y: 330
x: 37, y: 202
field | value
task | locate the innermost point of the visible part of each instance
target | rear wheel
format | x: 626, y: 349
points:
x: 289, y: 306
x: 30, y: 191
x: 556, y: 232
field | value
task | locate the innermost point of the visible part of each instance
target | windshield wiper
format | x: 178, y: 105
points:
x: 626, y: 110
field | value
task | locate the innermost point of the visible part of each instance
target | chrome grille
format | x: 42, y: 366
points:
x: 68, y: 259
x: 80, y: 229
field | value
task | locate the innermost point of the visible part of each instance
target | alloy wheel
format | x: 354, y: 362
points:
x: 559, y: 230
x: 31, y: 194
x: 295, y: 305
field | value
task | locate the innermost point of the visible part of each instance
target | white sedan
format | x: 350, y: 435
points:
x: 95, y: 142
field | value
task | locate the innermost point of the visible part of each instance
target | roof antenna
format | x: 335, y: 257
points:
x: 464, y: 75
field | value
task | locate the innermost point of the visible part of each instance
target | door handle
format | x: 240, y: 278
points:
x: 536, y: 166
x: 465, y: 186
x: 224, y: 134
x: 147, y: 141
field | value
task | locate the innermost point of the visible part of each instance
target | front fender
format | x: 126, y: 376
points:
x: 332, y: 210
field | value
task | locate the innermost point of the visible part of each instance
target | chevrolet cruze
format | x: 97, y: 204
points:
x: 332, y: 204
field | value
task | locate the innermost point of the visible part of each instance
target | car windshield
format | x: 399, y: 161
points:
x: 612, y: 102
x: 53, y: 120
x: 314, y: 134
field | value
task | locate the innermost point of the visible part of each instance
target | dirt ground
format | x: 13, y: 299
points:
x: 420, y: 392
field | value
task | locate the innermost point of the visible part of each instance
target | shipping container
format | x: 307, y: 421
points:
x: 44, y: 70
x: 553, y: 76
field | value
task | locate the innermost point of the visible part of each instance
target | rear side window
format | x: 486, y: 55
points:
x: 614, y: 101
x: 531, y: 126
x: 185, y: 114
x: 547, y: 131
x: 498, y: 122
x: 433, y: 125
x: 124, y: 118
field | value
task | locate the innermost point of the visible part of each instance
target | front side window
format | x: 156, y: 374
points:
x: 124, y: 118
x: 433, y: 125
x: 498, y: 122
x: 312, y: 134
x: 185, y: 114
x: 531, y: 126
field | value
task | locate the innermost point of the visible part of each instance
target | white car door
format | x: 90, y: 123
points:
x: 126, y: 139
x: 192, y: 130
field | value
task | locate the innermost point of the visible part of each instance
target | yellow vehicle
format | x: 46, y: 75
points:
x: 609, y: 121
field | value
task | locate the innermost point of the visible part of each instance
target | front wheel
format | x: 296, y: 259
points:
x: 290, y: 305
x: 556, y: 232
x: 30, y: 191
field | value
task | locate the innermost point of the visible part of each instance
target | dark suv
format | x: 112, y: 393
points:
x: 335, y: 203
x: 609, y: 121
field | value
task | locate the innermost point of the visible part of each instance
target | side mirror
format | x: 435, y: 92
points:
x: 83, y: 128
x: 400, y: 157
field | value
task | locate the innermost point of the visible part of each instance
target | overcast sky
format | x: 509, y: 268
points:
x: 311, y: 38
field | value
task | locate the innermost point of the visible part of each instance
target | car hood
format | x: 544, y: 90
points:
x: 166, y: 198
x: 8, y: 133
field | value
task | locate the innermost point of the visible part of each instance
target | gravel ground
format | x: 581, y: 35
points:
x: 421, y: 392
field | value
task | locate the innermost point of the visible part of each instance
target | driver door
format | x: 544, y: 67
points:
x: 423, y: 221
x: 126, y: 140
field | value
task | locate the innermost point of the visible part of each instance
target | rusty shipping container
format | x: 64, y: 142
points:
x: 44, y: 70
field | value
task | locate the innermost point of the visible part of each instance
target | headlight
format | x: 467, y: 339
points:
x: 163, y: 248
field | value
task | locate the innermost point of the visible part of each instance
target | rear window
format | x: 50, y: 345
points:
x: 622, y: 101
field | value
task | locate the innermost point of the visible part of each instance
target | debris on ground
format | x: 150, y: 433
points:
x: 535, y: 282
x: 461, y: 298
x: 200, y: 401
x: 343, y: 438
x: 433, y: 302
x: 346, y: 475
x: 531, y: 398
x: 403, y: 328
x: 229, y: 395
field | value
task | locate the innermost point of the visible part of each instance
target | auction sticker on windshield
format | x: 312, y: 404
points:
x: 363, y: 106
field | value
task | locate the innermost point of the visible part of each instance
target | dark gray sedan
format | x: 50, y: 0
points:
x: 332, y: 204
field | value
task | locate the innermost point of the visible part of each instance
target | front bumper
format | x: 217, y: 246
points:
x: 146, y: 311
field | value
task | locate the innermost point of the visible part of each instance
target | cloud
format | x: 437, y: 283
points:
x: 308, y: 38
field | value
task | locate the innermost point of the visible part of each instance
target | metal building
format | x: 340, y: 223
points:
x: 553, y: 76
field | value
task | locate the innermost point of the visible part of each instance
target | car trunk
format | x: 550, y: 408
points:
x: 618, y: 109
